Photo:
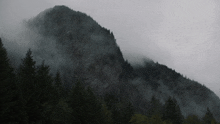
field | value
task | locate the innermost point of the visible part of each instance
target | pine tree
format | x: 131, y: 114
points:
x: 61, y: 113
x: 139, y: 119
x: 155, y: 107
x: 94, y: 107
x: 126, y: 111
x: 44, y: 83
x: 85, y: 106
x: 107, y: 114
x: 208, y: 118
x: 77, y: 103
x: 192, y: 119
x: 59, y: 89
x: 122, y: 110
x: 27, y: 80
x: 27, y: 75
x: 172, y: 111
x: 11, y: 101
x: 45, y: 91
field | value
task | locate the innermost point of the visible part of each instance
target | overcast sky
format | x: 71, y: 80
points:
x: 182, y: 34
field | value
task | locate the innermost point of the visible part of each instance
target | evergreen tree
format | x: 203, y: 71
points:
x: 208, y: 118
x: 121, y: 109
x: 126, y: 112
x: 44, y: 83
x: 192, y: 119
x: 11, y: 101
x: 107, y: 114
x: 111, y: 101
x: 172, y: 111
x: 86, y: 109
x: 76, y: 102
x: 156, y: 119
x: 27, y: 75
x: 60, y: 113
x: 59, y: 89
x: 139, y: 119
x: 45, y: 91
x: 155, y: 107
x: 27, y: 80
x: 94, y: 108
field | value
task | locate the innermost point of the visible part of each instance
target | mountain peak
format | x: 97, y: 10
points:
x: 81, y: 40
x: 62, y: 19
x: 61, y: 9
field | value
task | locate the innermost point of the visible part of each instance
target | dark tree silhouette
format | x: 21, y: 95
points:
x: 172, y: 111
x: 11, y: 101
x: 44, y: 83
x: 27, y: 80
x: 59, y: 88
x: 45, y: 91
x: 208, y: 118
x: 85, y: 106
x: 155, y: 107
x: 122, y: 110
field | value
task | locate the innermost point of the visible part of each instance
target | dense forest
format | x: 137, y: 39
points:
x: 30, y: 94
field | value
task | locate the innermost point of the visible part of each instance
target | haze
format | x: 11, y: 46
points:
x: 184, y: 35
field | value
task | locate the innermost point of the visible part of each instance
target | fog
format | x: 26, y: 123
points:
x: 184, y: 35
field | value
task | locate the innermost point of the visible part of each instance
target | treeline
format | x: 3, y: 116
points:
x: 169, y: 113
x: 31, y: 95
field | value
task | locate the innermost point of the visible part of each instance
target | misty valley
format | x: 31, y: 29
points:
x: 62, y: 67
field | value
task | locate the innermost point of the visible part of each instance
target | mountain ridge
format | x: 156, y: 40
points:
x: 77, y: 46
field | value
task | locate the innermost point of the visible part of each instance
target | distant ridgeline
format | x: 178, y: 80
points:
x: 74, y: 72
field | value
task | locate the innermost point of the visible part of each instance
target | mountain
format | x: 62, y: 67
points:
x: 80, y: 46
x: 74, y: 44
x: 192, y: 97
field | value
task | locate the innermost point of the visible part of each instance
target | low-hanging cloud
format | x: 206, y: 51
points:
x: 183, y: 35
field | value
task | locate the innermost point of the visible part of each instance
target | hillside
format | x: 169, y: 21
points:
x: 89, y: 50
x: 192, y: 97
x: 74, y: 44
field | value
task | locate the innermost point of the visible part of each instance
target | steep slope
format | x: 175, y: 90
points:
x: 74, y: 44
x: 87, y: 49
x: 192, y: 97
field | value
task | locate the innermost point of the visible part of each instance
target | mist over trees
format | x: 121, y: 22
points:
x: 42, y: 98
x: 33, y: 95
x: 73, y: 72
